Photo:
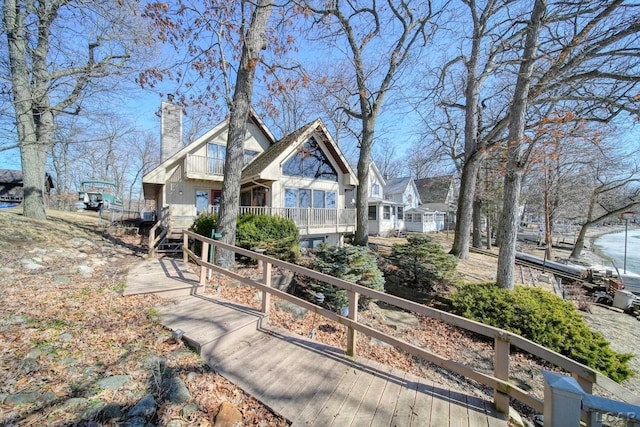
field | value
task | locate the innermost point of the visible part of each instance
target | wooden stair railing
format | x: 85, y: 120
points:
x: 164, y: 224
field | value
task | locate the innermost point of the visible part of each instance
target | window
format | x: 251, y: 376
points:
x: 373, y: 213
x: 304, y: 198
x: 256, y: 196
x: 215, y: 158
x: 248, y: 156
x: 388, y: 196
x: 297, y: 198
x: 375, y: 189
x: 408, y: 218
x: 202, y: 201
x: 400, y: 212
x: 386, y: 212
x: 318, y: 199
x: 309, y: 161
x: 331, y: 200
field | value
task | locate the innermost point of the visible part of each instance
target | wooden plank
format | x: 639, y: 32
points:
x: 318, y: 401
x: 367, y: 409
x: 476, y: 411
x: 406, y: 401
x: 440, y: 407
x: 349, y: 408
x: 387, y: 404
x: 421, y: 415
x: 338, y: 397
x: 458, y: 414
x: 495, y: 418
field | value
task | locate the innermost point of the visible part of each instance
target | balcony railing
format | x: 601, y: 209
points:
x: 203, y: 165
x: 307, y: 220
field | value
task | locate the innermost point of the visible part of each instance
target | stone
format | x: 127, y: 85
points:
x: 31, y: 265
x: 34, y: 353
x: 156, y: 363
x: 146, y: 407
x: 85, y: 271
x: 192, y: 376
x: 22, y: 398
x: 63, y: 280
x: 189, y: 409
x: 75, y: 402
x: 283, y: 281
x: 400, y: 320
x: 174, y: 423
x: 296, y: 310
x: 228, y: 416
x: 111, y: 411
x: 48, y: 397
x: 136, y: 422
x: 177, y: 392
x: 66, y: 337
x: 3, y: 396
x: 114, y: 382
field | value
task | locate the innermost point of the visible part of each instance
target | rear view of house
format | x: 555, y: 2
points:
x: 302, y: 176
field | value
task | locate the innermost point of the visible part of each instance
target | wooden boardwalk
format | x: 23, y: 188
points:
x: 308, y: 383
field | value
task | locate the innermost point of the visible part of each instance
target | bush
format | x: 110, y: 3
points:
x: 203, y: 225
x: 278, y: 236
x: 543, y: 318
x: 421, y: 264
x: 352, y: 263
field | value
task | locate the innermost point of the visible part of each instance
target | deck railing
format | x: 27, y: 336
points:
x: 204, y: 165
x: 306, y: 219
x: 503, y: 340
x: 164, y: 222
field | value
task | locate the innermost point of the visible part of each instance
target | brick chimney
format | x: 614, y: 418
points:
x: 171, y: 129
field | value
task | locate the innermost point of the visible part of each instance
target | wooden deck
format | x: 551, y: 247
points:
x: 308, y: 383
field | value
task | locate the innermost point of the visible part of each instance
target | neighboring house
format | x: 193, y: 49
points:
x: 303, y: 176
x: 11, y: 190
x: 388, y: 201
x: 438, y: 208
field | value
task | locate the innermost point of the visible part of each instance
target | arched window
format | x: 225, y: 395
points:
x: 309, y: 161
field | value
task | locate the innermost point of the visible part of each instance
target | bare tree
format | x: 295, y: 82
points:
x: 362, y: 24
x: 54, y: 59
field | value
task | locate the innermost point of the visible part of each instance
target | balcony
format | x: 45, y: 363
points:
x: 308, y: 220
x: 202, y: 167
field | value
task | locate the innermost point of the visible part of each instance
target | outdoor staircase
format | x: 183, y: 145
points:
x: 171, y: 243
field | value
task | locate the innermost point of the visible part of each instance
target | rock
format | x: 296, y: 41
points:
x: 297, y: 311
x: 177, y: 392
x: 192, y: 375
x: 144, y: 408
x: 400, y: 320
x: 48, y: 397
x: 85, y: 271
x: 34, y: 353
x: 228, y: 416
x: 3, y: 396
x: 111, y: 411
x: 31, y: 265
x: 114, y: 382
x: 75, y: 402
x: 283, y: 281
x: 66, y: 337
x: 174, y: 423
x: 22, y: 398
x: 136, y: 422
x: 189, y: 409
x: 156, y: 363
x: 29, y: 365
x: 63, y: 280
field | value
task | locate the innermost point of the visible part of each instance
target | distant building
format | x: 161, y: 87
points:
x: 11, y: 190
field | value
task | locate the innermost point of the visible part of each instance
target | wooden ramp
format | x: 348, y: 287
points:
x: 309, y: 383
x: 167, y: 277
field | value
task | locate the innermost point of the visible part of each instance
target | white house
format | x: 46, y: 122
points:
x: 303, y: 176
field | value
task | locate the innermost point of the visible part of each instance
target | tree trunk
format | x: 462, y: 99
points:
x: 515, y: 161
x: 464, y: 214
x: 477, y: 222
x: 254, y: 42
x: 361, y: 237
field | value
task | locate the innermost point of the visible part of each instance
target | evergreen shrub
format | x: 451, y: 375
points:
x: 278, y: 236
x: 351, y: 263
x: 203, y: 225
x: 543, y: 318
x: 420, y: 264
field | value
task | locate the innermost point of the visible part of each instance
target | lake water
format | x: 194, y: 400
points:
x: 612, y: 246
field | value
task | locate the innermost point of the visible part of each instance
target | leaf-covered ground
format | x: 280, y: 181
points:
x: 64, y: 327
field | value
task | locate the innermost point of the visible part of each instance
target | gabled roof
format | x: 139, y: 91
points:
x: 396, y: 185
x: 271, y: 154
x: 435, y: 189
x: 13, y: 176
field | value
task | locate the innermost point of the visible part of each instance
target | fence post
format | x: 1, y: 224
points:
x: 501, y: 371
x: 266, y: 280
x: 185, y: 246
x: 353, y: 315
x: 203, y: 258
x: 562, y: 400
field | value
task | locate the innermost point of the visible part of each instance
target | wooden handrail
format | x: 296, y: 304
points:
x: 585, y: 375
x: 164, y: 221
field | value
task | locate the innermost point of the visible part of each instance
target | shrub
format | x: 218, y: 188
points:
x: 203, y: 225
x: 420, y: 264
x: 544, y: 318
x: 352, y: 263
x: 278, y: 236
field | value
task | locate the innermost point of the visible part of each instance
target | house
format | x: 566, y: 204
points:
x: 388, y: 200
x: 11, y: 186
x: 437, y: 211
x: 302, y: 176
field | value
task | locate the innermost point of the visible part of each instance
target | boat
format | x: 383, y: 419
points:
x: 98, y: 195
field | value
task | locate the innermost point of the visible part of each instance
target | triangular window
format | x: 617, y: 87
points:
x: 309, y: 161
